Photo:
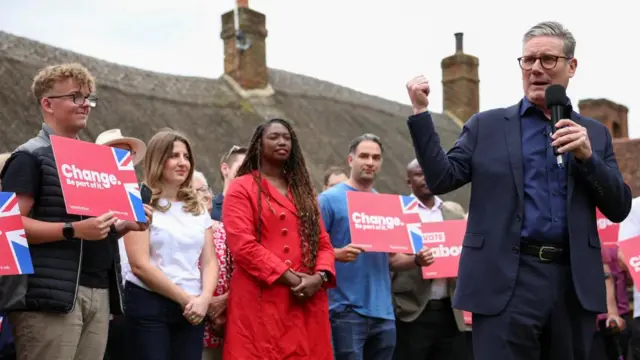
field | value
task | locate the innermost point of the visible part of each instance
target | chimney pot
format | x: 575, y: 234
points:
x: 460, y: 83
x: 613, y: 115
x: 245, y: 58
x: 458, y: 42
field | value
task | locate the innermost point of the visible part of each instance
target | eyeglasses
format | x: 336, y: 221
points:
x: 547, y: 62
x: 234, y: 149
x: 78, y: 99
x: 204, y: 190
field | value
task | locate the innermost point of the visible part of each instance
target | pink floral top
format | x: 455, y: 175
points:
x: 225, y: 269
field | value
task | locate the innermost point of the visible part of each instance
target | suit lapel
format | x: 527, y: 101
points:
x: 282, y: 200
x: 568, y: 161
x: 513, y: 136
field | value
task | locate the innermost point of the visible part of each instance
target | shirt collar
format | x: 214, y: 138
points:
x: 525, y: 105
x: 47, y: 131
x: 437, y: 203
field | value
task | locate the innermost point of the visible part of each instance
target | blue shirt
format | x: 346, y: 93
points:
x: 545, y: 183
x: 216, y: 209
x: 363, y: 285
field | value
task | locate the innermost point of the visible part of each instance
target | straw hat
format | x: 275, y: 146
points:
x: 114, y: 136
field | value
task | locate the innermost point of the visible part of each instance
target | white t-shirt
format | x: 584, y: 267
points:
x: 629, y: 228
x: 438, y: 286
x: 124, y: 261
x: 175, y: 244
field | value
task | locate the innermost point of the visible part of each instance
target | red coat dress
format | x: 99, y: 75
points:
x: 264, y: 320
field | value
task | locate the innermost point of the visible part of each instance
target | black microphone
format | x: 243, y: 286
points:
x: 556, y: 100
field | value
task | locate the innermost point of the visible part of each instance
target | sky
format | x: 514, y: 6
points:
x: 371, y: 47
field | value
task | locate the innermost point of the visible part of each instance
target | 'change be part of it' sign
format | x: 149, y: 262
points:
x: 96, y: 179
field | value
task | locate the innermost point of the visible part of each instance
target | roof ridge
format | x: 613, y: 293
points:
x: 297, y: 84
x: 128, y: 79
x: 189, y: 89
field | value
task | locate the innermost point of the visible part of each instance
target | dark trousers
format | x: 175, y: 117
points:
x: 634, y: 341
x: 357, y: 337
x: 116, y: 340
x: 468, y: 338
x: 434, y: 335
x: 610, y: 346
x: 543, y: 320
x: 156, y: 328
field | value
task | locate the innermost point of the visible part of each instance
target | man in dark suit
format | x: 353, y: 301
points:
x: 530, y: 270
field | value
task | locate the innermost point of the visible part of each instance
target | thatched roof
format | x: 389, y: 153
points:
x: 213, y: 114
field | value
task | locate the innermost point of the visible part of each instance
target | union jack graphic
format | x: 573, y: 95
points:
x: 415, y: 234
x: 15, y: 258
x: 123, y: 159
x: 410, y: 204
x: 135, y: 200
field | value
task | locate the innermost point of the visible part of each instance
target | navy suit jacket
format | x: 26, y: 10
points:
x: 489, y: 155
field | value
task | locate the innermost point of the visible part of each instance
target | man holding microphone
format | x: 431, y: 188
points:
x: 530, y: 270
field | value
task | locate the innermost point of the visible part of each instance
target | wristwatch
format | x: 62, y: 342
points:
x: 323, y: 276
x: 67, y: 231
x: 416, y: 260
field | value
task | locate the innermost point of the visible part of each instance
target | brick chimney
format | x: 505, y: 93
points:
x: 245, y: 59
x: 612, y: 115
x: 460, y: 83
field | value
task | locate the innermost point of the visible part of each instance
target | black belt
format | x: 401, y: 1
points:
x: 546, y: 253
x: 439, y: 304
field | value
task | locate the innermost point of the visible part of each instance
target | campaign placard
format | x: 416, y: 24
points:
x: 467, y: 317
x: 384, y: 223
x: 607, y: 230
x: 15, y: 258
x: 444, y: 238
x: 96, y: 179
x: 630, y: 249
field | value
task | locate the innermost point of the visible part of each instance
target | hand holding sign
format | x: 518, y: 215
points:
x: 142, y: 226
x: 95, y: 228
x: 348, y: 253
x: 424, y: 257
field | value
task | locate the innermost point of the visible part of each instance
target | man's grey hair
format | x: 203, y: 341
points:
x: 198, y: 174
x: 553, y: 28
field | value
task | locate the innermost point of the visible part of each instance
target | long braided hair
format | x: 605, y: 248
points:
x: 298, y: 180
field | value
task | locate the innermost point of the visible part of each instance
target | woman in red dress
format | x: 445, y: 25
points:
x: 284, y: 261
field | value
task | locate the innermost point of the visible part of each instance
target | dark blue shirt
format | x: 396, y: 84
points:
x: 545, y: 183
x: 216, y: 209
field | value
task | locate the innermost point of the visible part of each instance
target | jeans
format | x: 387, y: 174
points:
x: 357, y: 337
x: 156, y: 330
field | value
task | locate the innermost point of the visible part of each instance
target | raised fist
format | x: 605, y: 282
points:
x: 418, y: 89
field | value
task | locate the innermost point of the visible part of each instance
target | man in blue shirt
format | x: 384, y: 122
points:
x: 362, y: 314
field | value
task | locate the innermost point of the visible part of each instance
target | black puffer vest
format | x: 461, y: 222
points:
x: 53, y: 286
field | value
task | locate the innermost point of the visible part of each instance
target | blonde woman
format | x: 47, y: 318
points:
x: 217, y: 316
x: 167, y: 294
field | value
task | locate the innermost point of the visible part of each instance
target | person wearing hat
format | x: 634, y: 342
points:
x: 137, y: 148
x: 115, y: 139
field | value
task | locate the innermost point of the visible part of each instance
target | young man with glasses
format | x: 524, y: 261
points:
x: 61, y: 311
x: 229, y: 164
